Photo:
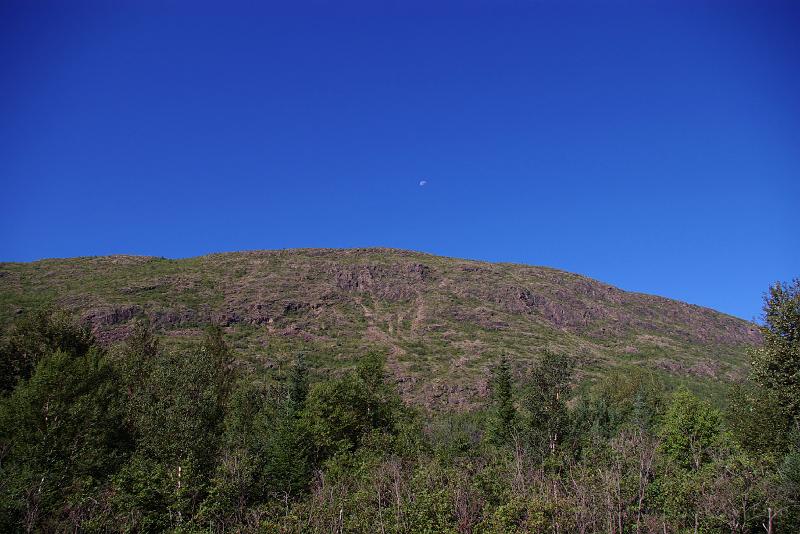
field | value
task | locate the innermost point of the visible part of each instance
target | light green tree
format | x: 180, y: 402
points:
x: 776, y: 364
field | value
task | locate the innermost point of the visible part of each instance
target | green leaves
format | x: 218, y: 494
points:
x: 339, y: 413
x: 62, y: 429
x: 148, y: 439
x: 548, y: 419
x: 776, y: 364
x: 690, y: 431
x: 33, y: 338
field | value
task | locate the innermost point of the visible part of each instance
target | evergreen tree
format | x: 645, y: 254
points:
x: 503, y: 415
x: 220, y: 359
x: 297, y: 389
x: 379, y: 397
x: 136, y: 356
x: 285, y: 451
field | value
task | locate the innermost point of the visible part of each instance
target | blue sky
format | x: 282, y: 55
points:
x: 652, y: 145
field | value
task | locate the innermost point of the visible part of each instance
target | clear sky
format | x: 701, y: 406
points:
x: 651, y: 145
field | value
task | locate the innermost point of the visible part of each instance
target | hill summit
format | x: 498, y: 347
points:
x: 442, y: 322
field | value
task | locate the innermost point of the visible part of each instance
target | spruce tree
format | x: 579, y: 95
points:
x: 297, y: 388
x: 502, y: 422
x: 221, y: 361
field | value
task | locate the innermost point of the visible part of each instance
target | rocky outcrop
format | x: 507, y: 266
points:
x: 563, y: 311
x: 109, y: 316
x: 392, y: 282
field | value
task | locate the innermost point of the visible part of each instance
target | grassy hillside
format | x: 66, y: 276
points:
x: 442, y: 321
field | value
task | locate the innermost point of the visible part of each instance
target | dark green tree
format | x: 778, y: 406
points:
x: 136, y: 357
x: 340, y: 413
x: 284, y: 454
x: 266, y: 449
x: 379, y: 396
x: 503, y: 415
x: 35, y: 336
x: 285, y: 451
x: 175, y: 408
x: 297, y: 387
x: 63, y: 435
x: 758, y: 420
x: 220, y: 359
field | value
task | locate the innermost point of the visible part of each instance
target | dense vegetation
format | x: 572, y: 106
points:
x: 142, y: 437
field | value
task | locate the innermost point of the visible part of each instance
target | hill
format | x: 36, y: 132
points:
x: 442, y: 321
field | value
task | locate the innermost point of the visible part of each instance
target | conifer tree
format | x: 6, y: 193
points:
x: 297, y: 389
x: 503, y: 417
x: 221, y: 361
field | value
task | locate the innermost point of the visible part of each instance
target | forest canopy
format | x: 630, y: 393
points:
x: 138, y: 437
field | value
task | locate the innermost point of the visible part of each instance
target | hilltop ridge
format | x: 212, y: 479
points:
x: 441, y: 321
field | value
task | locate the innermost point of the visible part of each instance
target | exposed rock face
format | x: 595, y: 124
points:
x: 557, y: 312
x: 442, y: 321
x: 392, y: 282
x: 98, y: 318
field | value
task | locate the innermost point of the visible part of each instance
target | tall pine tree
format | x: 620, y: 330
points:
x: 503, y: 416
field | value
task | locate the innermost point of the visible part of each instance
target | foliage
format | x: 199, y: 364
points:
x: 340, y: 413
x: 776, y: 364
x: 548, y: 419
x: 148, y: 438
x: 503, y: 421
x: 61, y: 438
x: 34, y: 337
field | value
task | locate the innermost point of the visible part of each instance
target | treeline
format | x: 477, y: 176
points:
x: 139, y: 438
